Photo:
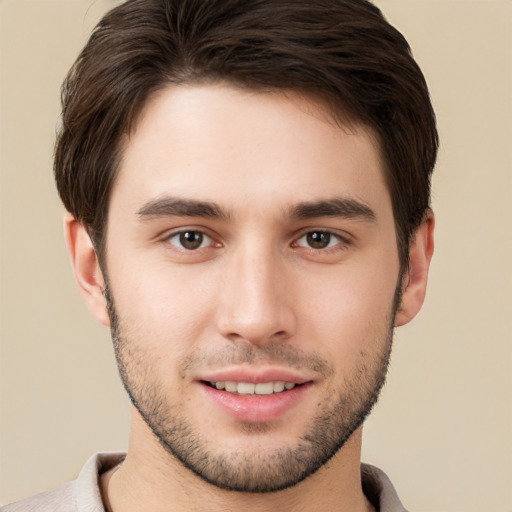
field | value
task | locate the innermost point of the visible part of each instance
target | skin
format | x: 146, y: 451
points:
x: 255, y: 296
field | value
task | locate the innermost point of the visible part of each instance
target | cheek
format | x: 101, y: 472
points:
x: 351, y: 311
x: 162, y: 305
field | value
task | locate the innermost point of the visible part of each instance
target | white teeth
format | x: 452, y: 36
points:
x: 231, y: 387
x: 264, y: 388
x: 245, y: 388
x: 248, y: 388
x: 278, y: 386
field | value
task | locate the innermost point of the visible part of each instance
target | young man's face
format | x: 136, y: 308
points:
x: 250, y: 249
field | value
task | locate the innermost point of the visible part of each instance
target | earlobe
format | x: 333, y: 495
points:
x: 414, y: 283
x: 86, y: 268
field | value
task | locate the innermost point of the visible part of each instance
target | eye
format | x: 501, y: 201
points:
x: 319, y: 240
x: 190, y: 240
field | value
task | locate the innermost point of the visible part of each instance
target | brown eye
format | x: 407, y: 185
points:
x: 190, y: 240
x: 318, y: 239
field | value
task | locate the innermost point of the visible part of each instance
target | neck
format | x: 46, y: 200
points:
x: 150, y: 479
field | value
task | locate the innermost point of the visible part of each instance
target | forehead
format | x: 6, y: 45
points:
x: 240, y: 147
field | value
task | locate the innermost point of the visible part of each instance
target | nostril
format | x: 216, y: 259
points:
x: 257, y: 323
x: 279, y: 335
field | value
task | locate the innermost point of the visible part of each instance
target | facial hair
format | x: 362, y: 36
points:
x: 343, y: 410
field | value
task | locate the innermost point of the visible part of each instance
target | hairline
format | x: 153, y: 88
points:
x: 328, y: 111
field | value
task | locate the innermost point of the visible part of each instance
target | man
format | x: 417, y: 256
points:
x: 247, y: 187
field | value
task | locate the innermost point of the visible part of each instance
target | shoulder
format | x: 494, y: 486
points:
x: 379, y: 490
x: 80, y: 495
x: 58, y: 499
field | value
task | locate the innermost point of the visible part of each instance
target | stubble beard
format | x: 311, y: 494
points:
x: 255, y: 472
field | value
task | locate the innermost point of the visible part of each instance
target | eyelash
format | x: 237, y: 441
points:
x: 322, y: 235
x: 181, y: 234
x: 341, y: 242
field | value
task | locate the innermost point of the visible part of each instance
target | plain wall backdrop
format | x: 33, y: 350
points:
x: 443, y: 427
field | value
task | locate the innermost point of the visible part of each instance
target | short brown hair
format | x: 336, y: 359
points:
x: 341, y: 51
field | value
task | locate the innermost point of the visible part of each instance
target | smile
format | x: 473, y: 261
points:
x: 249, y: 388
x: 256, y: 402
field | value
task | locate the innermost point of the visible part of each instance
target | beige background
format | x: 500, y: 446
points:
x: 443, y: 428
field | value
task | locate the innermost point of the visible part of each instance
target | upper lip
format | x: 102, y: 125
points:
x: 255, y: 375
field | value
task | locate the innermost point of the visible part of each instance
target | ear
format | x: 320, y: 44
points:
x: 414, y: 283
x: 86, y: 268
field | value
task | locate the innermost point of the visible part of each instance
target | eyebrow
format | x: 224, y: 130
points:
x: 177, y: 207
x: 336, y: 207
x: 173, y: 206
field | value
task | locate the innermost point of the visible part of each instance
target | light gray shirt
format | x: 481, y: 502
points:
x: 83, y: 494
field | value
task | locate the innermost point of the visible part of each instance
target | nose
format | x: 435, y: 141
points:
x: 256, y: 301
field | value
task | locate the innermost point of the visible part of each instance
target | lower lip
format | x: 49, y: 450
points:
x: 256, y: 408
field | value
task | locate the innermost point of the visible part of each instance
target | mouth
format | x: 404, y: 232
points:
x: 250, y: 388
x: 255, y: 398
